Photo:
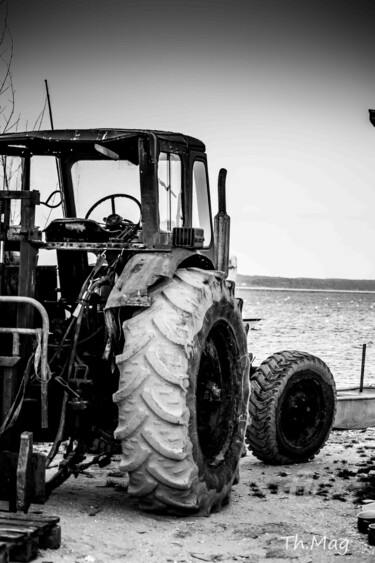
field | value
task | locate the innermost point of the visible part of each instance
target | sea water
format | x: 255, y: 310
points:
x: 332, y: 325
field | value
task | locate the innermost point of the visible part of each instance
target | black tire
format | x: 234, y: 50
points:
x: 183, y: 394
x: 292, y: 408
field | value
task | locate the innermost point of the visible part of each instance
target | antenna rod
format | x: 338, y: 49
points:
x: 58, y: 160
x: 49, y: 105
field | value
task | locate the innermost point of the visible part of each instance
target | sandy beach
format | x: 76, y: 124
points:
x: 305, y: 513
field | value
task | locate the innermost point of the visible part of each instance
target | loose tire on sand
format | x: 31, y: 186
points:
x: 183, y: 394
x: 292, y: 408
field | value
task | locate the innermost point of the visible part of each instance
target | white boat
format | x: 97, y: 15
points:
x: 355, y: 408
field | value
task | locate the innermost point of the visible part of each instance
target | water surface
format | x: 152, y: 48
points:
x: 330, y: 324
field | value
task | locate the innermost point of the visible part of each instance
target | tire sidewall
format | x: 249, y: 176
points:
x: 225, y: 310
x: 309, y: 373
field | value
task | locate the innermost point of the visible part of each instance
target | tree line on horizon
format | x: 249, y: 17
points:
x: 305, y: 283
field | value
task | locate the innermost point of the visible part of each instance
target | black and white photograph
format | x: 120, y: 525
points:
x: 187, y: 281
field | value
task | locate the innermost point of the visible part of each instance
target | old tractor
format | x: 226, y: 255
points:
x: 120, y: 329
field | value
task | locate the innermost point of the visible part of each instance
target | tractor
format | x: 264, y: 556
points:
x: 120, y: 330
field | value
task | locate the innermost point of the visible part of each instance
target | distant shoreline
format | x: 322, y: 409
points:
x: 311, y: 290
x: 305, y: 284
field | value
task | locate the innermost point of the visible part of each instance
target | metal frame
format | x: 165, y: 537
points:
x: 43, y: 336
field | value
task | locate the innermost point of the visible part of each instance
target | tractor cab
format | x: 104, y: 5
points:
x: 89, y: 221
x: 154, y: 181
x: 118, y: 191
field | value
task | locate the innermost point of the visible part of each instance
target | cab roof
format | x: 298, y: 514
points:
x: 32, y: 139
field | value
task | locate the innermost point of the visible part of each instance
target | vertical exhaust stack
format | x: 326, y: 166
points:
x: 222, y: 227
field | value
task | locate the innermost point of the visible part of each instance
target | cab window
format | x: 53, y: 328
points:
x: 201, y: 204
x: 11, y: 169
x: 44, y: 178
x: 169, y: 180
x: 97, y: 179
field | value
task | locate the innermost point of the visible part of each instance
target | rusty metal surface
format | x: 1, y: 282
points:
x: 96, y: 246
x: 222, y: 227
x: 141, y: 272
x: 95, y: 135
x: 222, y: 234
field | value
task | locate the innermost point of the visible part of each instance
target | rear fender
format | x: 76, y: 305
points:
x: 141, y: 272
x: 145, y: 270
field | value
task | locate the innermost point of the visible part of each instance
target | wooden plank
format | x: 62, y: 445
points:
x: 35, y: 518
x: 21, y: 536
x: 51, y: 539
x: 8, y: 464
x: 22, y: 528
x: 15, y: 537
x: 8, y: 468
x: 24, y: 552
x: 24, y: 472
x: 28, y: 528
x: 38, y: 478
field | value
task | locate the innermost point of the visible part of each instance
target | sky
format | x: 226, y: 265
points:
x: 278, y: 90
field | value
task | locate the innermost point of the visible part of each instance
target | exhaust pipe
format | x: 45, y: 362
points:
x: 222, y: 227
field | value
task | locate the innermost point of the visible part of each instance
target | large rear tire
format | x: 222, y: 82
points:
x: 183, y: 394
x: 292, y: 408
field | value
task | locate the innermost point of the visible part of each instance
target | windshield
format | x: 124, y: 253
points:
x: 97, y: 179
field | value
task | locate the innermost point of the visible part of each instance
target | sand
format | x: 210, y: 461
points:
x: 303, y: 513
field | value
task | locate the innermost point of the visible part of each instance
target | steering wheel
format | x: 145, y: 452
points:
x: 112, y: 197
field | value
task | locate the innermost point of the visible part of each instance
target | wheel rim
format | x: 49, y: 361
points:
x: 216, y: 394
x: 302, y: 412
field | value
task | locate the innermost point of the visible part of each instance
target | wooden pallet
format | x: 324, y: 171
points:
x: 21, y: 535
